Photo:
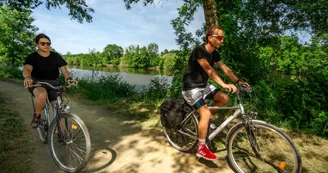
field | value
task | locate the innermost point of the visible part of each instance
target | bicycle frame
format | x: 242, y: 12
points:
x: 58, y: 110
x: 239, y: 110
x: 59, y: 113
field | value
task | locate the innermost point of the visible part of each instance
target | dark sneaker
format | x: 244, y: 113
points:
x: 205, y: 153
x: 35, y: 121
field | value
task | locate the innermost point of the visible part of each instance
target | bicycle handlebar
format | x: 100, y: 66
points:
x: 245, y: 87
x: 54, y: 84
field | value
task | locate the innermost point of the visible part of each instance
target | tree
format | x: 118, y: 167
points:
x: 16, y: 35
x: 78, y: 9
x: 152, y: 49
x: 210, y: 13
x: 113, y: 54
x: 95, y: 58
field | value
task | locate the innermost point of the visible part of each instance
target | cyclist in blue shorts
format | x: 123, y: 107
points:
x: 196, y: 88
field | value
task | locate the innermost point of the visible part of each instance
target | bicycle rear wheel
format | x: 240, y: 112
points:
x: 275, y: 150
x: 69, y: 142
x: 183, y: 138
x: 44, y: 124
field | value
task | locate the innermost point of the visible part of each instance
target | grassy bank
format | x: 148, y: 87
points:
x: 111, y: 89
x: 15, y: 143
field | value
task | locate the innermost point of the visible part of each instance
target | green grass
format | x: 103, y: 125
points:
x: 15, y: 143
x: 111, y: 89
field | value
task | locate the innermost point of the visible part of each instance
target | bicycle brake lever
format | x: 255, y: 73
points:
x: 246, y: 88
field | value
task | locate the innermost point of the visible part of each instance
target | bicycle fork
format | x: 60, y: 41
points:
x: 251, y: 136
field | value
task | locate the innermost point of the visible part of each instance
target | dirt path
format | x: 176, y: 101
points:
x: 118, y: 145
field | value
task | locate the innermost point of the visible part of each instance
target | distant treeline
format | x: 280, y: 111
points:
x: 133, y: 56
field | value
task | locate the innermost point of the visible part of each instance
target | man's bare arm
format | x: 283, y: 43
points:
x: 227, y: 71
x: 214, y: 76
x: 211, y: 72
x: 65, y: 72
x: 27, y: 70
x: 27, y: 75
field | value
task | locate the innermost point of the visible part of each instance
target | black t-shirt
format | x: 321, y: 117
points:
x: 45, y: 68
x: 195, y: 76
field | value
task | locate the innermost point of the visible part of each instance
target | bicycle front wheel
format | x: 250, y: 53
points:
x: 183, y: 138
x: 69, y: 142
x: 271, y: 150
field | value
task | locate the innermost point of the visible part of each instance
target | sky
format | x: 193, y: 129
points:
x: 113, y: 24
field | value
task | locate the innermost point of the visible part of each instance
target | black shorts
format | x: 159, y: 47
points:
x: 52, y: 93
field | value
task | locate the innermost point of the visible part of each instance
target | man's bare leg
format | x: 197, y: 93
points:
x: 220, y: 99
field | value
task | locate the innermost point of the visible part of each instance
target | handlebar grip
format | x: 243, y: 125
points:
x: 245, y: 87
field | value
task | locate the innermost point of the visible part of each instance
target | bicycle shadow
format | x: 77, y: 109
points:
x: 107, y: 157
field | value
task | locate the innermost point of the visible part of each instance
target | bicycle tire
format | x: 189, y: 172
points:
x: 273, y: 144
x: 68, y: 148
x: 180, y: 141
x: 43, y: 125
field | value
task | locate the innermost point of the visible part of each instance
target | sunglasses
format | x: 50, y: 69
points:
x: 45, y: 43
x: 220, y: 37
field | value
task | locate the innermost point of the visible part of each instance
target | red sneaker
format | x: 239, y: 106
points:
x: 205, y: 153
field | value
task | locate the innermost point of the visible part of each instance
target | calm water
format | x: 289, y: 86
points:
x: 138, y: 77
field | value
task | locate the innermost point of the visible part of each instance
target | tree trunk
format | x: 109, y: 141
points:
x: 210, y: 13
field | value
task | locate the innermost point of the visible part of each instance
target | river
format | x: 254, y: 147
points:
x: 138, y: 77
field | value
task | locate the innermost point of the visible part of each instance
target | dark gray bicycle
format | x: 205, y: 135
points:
x: 67, y: 135
x: 252, y: 145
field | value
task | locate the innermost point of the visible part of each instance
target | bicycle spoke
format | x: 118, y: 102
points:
x: 79, y: 134
x: 72, y: 153
x: 274, y: 152
x: 82, y: 151
x: 183, y: 138
x: 72, y: 150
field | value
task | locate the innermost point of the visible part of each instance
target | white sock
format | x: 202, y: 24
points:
x: 201, y: 143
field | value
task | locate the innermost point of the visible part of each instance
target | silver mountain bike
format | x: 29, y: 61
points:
x: 252, y: 145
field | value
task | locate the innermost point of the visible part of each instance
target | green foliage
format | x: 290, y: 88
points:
x: 134, y: 57
x: 169, y: 60
x: 143, y: 57
x: 9, y: 72
x: 96, y: 59
x: 185, y: 39
x: 152, y: 53
x: 78, y: 10
x: 112, y: 88
x: 112, y: 54
x: 320, y: 123
x: 158, y: 89
x: 108, y: 89
x: 16, y: 35
x: 299, y: 101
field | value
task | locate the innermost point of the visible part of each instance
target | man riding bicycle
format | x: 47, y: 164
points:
x: 43, y: 65
x: 196, y: 88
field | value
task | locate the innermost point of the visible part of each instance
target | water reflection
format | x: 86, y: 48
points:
x: 138, y: 77
x: 124, y: 69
